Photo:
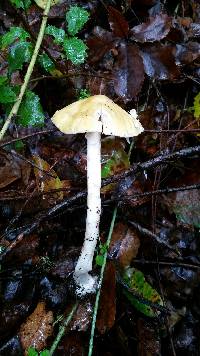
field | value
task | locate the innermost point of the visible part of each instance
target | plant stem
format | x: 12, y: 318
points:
x: 62, y: 330
x: 100, y: 283
x: 84, y: 281
x: 16, y: 105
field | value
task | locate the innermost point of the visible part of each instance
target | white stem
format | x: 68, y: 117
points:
x: 84, y: 281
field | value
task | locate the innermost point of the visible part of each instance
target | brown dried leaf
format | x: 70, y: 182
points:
x: 155, y: 29
x: 24, y: 250
x: 11, y: 316
x: 159, y: 62
x: 82, y: 317
x: 187, y: 53
x: 149, y: 340
x: 47, y: 180
x: 107, y: 306
x: 136, y: 187
x: 37, y: 328
x: 101, y: 84
x: 118, y: 24
x: 11, y: 169
x: 72, y: 345
x: 65, y: 264
x: 124, y: 244
x: 128, y: 71
x: 100, y: 44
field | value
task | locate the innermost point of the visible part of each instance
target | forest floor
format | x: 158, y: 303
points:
x: 144, y: 55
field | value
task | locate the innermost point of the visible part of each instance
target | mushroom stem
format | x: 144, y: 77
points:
x: 84, y: 281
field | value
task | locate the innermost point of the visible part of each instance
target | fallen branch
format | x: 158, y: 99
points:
x: 154, y: 162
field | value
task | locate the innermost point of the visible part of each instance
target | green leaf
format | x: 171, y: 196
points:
x: 118, y: 161
x: 12, y: 35
x: 135, y: 280
x: 83, y: 94
x: 44, y: 353
x: 196, y: 106
x: 100, y: 257
x: 46, y: 62
x: 57, y: 33
x: 32, y: 352
x: 75, y: 50
x: 3, y: 80
x: 19, y: 53
x: 76, y: 18
x: 7, y: 95
x: 24, y: 4
x: 99, y: 260
x: 19, y: 145
x: 30, y: 111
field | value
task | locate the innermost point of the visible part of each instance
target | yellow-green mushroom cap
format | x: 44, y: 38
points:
x: 97, y: 113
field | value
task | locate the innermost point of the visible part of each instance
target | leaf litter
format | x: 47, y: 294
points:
x: 143, y: 55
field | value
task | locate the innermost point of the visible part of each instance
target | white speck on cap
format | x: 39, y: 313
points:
x: 97, y: 113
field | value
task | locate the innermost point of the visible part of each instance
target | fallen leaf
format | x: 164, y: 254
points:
x: 64, y: 265
x: 148, y: 339
x: 102, y: 42
x: 118, y: 23
x: 72, y: 344
x: 137, y: 285
x: 124, y: 244
x: 107, y: 305
x: 47, y: 180
x: 12, y: 168
x: 128, y: 71
x: 194, y: 30
x: 11, y: 316
x: 187, y: 53
x: 82, y: 317
x: 36, y: 329
x: 186, y: 206
x: 114, y: 159
x: 24, y: 250
x: 11, y: 347
x: 159, y: 62
x: 155, y: 29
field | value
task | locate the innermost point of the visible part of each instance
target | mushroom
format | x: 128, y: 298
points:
x: 93, y: 116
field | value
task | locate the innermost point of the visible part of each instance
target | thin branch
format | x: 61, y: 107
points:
x: 69, y: 75
x: 16, y: 105
x: 21, y: 138
x: 47, y: 173
x: 155, y: 237
x: 27, y: 229
x: 167, y: 263
x: 172, y: 131
x: 155, y: 192
x: 152, y: 163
